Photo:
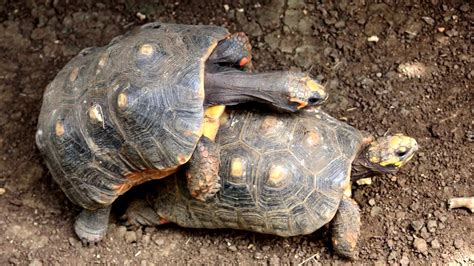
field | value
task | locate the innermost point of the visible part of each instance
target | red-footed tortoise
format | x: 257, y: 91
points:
x: 134, y: 110
x: 284, y: 175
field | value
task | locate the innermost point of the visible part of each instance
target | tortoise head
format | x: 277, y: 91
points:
x: 388, y: 154
x: 304, y: 91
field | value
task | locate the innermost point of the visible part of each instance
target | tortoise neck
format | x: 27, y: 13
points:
x: 362, y: 167
x: 234, y: 87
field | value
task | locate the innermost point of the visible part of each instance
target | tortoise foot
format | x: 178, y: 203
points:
x: 346, y: 229
x: 234, y: 51
x: 91, y: 225
x: 202, y: 175
x: 140, y: 213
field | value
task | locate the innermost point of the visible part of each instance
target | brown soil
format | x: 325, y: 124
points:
x: 407, y: 220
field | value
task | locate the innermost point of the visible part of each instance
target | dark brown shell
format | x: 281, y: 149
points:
x: 135, y: 105
x: 294, y: 169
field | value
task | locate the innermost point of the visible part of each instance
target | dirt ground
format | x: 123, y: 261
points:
x: 374, y: 85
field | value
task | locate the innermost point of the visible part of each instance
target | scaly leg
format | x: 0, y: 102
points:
x: 91, y: 225
x: 346, y: 228
x: 203, y: 172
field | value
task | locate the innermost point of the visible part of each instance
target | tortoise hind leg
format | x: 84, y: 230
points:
x: 91, y: 225
x: 346, y: 228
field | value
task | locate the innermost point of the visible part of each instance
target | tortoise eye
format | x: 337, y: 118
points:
x: 401, y: 153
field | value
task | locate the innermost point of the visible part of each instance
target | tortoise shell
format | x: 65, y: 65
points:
x: 132, y: 106
x: 281, y: 175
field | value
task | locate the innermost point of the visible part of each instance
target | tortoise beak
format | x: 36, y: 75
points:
x: 300, y: 104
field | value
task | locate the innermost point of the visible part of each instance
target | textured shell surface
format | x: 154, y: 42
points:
x: 133, y: 105
x: 281, y: 174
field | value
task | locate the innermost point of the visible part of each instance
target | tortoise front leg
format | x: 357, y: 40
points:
x: 91, y: 225
x: 346, y: 228
x: 203, y: 172
x: 141, y: 213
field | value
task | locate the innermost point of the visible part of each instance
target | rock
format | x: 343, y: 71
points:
x: 269, y: 15
x: 35, y: 262
x: 274, y: 260
x: 295, y: 4
x: 435, y: 244
x: 2, y: 191
x: 258, y: 256
x: 292, y: 18
x: 340, y: 24
x: 305, y: 26
x: 364, y: 181
x: 43, y: 33
x: 405, y: 260
x: 145, y: 239
x: 232, y: 248
x: 428, y: 20
x: 120, y: 232
x: 40, y: 242
x: 375, y: 211
x: 420, y: 245
x: 159, y: 241
x: 400, y: 215
x: 287, y: 44
x: 412, y: 28
x: 432, y: 225
x: 371, y: 202
x: 373, y: 38
x: 252, y: 28
x: 452, y: 33
x: 130, y: 236
x: 415, y: 206
x: 417, y: 224
x: 273, y: 39
x: 306, y: 56
x: 74, y: 242
x: 458, y: 243
x: 465, y: 7
x: 424, y: 233
x: 392, y: 256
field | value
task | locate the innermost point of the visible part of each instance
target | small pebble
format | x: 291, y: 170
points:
x: 420, y: 245
x: 405, y: 260
x: 364, y: 181
x: 141, y: 16
x: 130, y: 236
x: 159, y: 242
x: 232, y: 248
x: 435, y: 244
x: 2, y: 191
x: 458, y: 243
x: 258, y: 256
x: 120, y: 231
x: 378, y: 75
x: 373, y: 38
x: 371, y: 202
x: 417, y: 224
x: 375, y: 211
x: 432, y: 225
x: 428, y: 20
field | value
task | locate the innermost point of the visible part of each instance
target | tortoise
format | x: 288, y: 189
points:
x: 284, y: 175
x: 134, y: 110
